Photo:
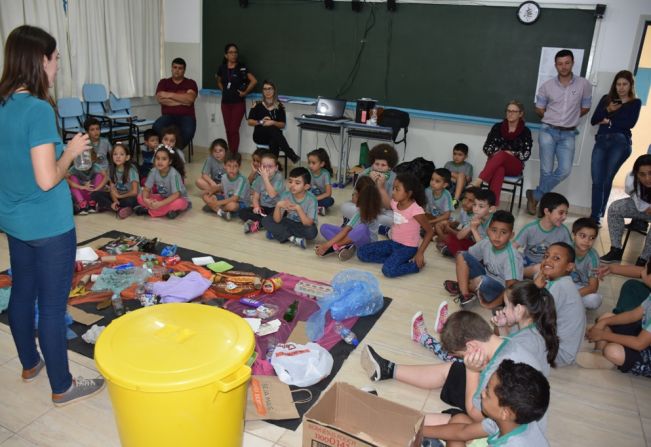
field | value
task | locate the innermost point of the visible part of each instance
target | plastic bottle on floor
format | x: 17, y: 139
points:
x: 346, y: 334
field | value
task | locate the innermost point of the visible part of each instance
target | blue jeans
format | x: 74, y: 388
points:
x: 42, y: 272
x: 489, y: 288
x: 326, y: 202
x: 554, y: 144
x: 608, y: 155
x: 187, y: 126
x: 396, y: 258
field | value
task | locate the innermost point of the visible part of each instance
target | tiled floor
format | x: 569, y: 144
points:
x: 589, y: 408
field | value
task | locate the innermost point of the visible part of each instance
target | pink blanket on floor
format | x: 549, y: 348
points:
x: 283, y: 298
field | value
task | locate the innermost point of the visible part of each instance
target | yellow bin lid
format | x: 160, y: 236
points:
x: 173, y: 347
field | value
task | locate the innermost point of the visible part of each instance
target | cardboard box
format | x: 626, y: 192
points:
x: 347, y: 417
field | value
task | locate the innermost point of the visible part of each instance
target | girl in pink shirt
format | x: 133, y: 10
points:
x: 404, y: 253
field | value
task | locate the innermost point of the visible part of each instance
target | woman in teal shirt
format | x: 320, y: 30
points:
x: 36, y: 211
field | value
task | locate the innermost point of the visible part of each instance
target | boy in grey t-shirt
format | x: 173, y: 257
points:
x: 236, y: 190
x: 570, y: 313
x: 584, y: 275
x: 295, y: 217
x: 461, y: 170
x: 439, y: 201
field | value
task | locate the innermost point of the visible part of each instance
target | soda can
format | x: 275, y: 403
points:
x: 172, y: 260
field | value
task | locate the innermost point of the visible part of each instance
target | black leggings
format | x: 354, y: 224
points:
x: 104, y: 201
x: 273, y: 137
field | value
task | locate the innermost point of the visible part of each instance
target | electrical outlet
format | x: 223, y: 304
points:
x: 212, y: 117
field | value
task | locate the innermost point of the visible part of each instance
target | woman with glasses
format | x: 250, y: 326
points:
x: 235, y: 82
x: 268, y: 117
x: 508, y: 146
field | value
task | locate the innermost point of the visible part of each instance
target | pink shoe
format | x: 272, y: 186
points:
x: 441, y: 317
x: 418, y: 328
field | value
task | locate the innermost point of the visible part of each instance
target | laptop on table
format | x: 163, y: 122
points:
x: 329, y: 109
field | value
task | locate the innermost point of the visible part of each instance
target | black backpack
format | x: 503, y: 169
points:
x: 419, y: 167
x: 395, y: 119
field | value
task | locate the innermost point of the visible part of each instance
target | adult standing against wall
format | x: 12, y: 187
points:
x: 176, y: 96
x: 36, y: 211
x: 560, y: 102
x: 235, y: 82
x: 616, y: 114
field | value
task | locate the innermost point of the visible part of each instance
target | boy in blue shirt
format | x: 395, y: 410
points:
x: 295, y: 217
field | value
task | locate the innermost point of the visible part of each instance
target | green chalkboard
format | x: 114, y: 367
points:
x: 467, y: 60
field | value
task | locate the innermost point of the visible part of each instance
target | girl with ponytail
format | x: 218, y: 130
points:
x: 528, y: 307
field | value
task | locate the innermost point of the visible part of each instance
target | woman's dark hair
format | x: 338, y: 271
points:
x: 642, y: 192
x: 550, y: 201
x: 23, y: 62
x: 126, y: 167
x: 228, y: 47
x: 369, y: 200
x: 542, y: 310
x: 383, y: 151
x: 413, y: 186
x: 323, y: 157
x: 624, y: 74
x: 275, y: 98
x: 172, y: 153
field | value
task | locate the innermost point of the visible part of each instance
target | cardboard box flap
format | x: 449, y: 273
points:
x: 367, y: 417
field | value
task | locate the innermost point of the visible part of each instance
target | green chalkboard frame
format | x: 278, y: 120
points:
x: 457, y: 59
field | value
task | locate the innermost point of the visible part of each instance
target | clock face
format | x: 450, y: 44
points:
x: 528, y: 12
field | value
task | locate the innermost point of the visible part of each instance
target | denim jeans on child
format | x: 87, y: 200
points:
x: 396, y: 258
x: 489, y: 288
x: 326, y: 202
x: 42, y: 269
x: 608, y: 155
x: 555, y: 144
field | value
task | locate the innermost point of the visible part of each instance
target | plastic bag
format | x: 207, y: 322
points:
x: 356, y: 293
x: 301, y: 365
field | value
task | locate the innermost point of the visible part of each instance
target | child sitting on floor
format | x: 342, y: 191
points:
x: 466, y: 335
x: 83, y: 183
x: 255, y: 164
x: 267, y: 188
x: 164, y: 193
x: 536, y: 236
x: 152, y: 141
x: 321, y: 171
x: 460, y: 169
x: 295, y: 218
x: 404, y: 253
x: 236, y: 190
x: 170, y: 137
x: 213, y: 169
x: 358, y: 231
x: 123, y: 184
x: 585, y: 232
x: 100, y: 145
x: 554, y: 275
x: 482, y: 213
x: 624, y: 341
x: 439, y: 201
x: 488, y: 267
x: 383, y: 158
x: 516, y: 396
x: 451, y: 227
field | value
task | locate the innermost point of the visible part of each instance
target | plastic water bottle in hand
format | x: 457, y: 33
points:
x: 346, y: 334
x: 84, y: 161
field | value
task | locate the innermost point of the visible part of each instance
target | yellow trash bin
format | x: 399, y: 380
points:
x: 177, y: 375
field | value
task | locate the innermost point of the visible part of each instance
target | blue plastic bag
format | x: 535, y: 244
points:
x: 356, y: 293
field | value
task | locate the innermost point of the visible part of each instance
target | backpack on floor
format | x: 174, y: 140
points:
x: 395, y: 119
x: 420, y: 167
